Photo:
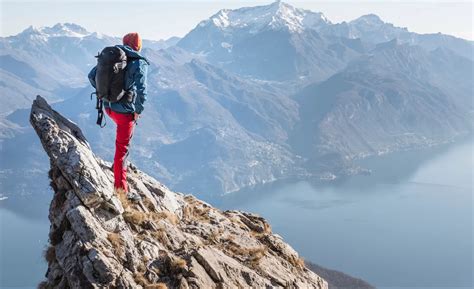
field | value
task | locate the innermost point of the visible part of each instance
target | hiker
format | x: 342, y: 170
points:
x: 122, y: 97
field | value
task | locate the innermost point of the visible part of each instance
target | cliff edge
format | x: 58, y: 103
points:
x: 167, y: 240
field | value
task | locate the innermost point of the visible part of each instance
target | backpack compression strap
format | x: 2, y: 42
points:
x: 100, y: 111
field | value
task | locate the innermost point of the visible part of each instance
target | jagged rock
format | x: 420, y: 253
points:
x: 101, y: 240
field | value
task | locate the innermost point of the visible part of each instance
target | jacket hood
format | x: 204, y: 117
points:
x: 132, y: 53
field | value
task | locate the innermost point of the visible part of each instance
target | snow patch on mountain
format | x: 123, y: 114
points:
x: 227, y: 46
x: 221, y: 19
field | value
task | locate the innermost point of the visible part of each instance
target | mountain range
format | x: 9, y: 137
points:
x: 248, y: 96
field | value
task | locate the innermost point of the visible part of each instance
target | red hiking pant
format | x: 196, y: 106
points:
x: 125, y: 124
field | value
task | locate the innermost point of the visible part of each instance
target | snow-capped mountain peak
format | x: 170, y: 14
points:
x: 368, y: 20
x: 66, y: 29
x: 58, y: 30
x: 275, y: 16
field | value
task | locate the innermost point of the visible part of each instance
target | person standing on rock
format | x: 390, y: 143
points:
x: 120, y: 80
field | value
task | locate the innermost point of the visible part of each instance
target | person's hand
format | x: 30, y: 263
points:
x: 136, y: 116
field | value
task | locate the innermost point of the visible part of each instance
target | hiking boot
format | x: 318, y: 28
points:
x: 133, y: 196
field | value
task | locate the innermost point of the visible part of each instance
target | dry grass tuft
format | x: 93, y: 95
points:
x: 196, y: 211
x: 251, y: 255
x: 167, y: 215
x: 140, y: 279
x: 255, y: 255
x: 301, y: 262
x: 50, y: 254
x: 214, y: 237
x: 189, y: 198
x: 122, y: 196
x: 267, y: 229
x: 157, y: 286
x: 134, y: 217
x: 298, y: 262
x: 150, y: 206
x: 177, y: 264
x: 117, y: 243
x: 161, y: 236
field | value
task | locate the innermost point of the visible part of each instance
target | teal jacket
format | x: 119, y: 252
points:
x: 135, y: 83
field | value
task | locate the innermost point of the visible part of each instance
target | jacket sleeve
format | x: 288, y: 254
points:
x: 140, y: 78
x: 92, y: 76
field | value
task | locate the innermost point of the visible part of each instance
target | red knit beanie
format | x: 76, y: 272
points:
x: 133, y: 40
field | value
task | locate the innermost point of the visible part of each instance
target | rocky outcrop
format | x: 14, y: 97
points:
x: 168, y: 240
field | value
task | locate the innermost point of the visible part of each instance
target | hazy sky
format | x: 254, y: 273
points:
x: 163, y: 19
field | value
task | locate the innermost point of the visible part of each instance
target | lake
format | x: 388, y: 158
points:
x: 409, y: 224
x: 22, y: 242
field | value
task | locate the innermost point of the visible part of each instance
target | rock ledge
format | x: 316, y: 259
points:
x: 168, y: 240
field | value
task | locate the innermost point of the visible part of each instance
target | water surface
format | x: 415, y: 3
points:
x: 407, y: 225
x: 22, y: 243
